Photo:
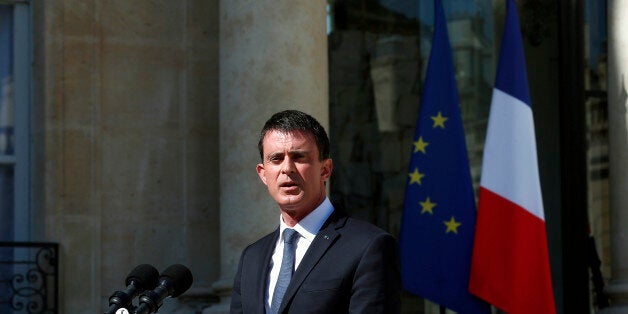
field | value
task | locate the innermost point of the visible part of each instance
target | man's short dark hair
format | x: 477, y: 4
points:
x: 293, y: 120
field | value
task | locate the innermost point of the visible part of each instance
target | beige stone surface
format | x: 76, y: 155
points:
x: 127, y: 105
x: 273, y: 56
x: 618, y: 154
x: 79, y: 279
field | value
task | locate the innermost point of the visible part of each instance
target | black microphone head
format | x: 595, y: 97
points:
x: 179, y: 277
x: 144, y: 277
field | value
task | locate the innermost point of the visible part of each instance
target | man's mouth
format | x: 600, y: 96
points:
x: 288, y: 185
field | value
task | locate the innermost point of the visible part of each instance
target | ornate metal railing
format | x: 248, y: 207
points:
x: 29, y: 281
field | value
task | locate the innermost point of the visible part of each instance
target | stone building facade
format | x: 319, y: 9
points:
x: 145, y: 117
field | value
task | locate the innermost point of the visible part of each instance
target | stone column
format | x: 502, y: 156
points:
x: 618, y: 153
x: 273, y: 56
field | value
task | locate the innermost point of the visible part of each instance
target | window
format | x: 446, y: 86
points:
x: 15, y: 58
x: 378, y: 52
x: 15, y: 213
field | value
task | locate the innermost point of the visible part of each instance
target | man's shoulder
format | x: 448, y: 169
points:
x: 356, y: 226
x: 357, y: 236
x: 362, y: 226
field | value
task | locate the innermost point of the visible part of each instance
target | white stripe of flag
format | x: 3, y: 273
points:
x: 511, y: 149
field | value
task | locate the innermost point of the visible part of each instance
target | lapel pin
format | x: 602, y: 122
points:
x: 326, y: 237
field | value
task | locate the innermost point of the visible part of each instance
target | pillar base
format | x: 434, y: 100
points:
x: 219, y: 308
x: 611, y: 310
x: 618, y: 294
x: 222, y: 289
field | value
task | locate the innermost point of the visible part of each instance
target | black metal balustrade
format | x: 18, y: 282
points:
x: 29, y: 281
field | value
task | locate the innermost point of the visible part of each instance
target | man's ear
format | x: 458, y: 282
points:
x: 326, y: 169
x: 260, y: 172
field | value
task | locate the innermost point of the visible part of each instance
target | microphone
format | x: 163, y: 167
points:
x: 173, y: 281
x: 141, y: 278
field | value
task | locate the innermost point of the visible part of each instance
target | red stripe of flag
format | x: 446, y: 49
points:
x: 518, y: 241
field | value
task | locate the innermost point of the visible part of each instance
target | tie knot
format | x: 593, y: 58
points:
x: 290, y: 235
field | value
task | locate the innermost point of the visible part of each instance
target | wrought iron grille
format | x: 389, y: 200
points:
x: 29, y: 281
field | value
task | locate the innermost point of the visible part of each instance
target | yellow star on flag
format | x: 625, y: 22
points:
x: 416, y: 176
x: 419, y: 145
x: 427, y: 206
x: 452, y: 225
x: 439, y: 120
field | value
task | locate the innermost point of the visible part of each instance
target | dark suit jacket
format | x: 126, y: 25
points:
x: 350, y: 267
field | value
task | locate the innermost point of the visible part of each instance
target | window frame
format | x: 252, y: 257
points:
x: 22, y: 91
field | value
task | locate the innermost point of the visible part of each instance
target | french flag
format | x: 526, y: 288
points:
x: 510, y: 262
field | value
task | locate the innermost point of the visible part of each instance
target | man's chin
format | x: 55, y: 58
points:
x: 290, y: 202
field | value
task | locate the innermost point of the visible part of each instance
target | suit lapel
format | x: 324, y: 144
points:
x: 260, y: 272
x: 325, y: 237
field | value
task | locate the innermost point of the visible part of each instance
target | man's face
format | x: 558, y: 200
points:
x: 293, y: 173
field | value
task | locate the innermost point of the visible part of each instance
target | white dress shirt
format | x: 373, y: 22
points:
x: 307, y: 228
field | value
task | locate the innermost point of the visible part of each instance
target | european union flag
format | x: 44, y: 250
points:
x: 438, y: 221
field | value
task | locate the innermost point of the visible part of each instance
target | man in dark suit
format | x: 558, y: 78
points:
x: 318, y: 260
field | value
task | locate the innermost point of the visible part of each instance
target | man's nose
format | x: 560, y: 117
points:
x: 287, y: 166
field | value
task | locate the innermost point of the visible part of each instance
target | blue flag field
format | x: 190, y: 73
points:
x: 438, y: 222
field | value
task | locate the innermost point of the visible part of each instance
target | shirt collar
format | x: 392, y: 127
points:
x: 309, y: 226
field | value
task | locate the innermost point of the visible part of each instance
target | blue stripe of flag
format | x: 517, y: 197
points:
x: 511, y: 77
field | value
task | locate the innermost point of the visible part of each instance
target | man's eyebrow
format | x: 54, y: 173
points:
x: 299, y: 152
x: 274, y: 154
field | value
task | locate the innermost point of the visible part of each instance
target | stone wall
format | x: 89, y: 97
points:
x: 125, y: 141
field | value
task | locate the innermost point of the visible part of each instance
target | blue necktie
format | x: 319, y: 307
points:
x: 287, y: 267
